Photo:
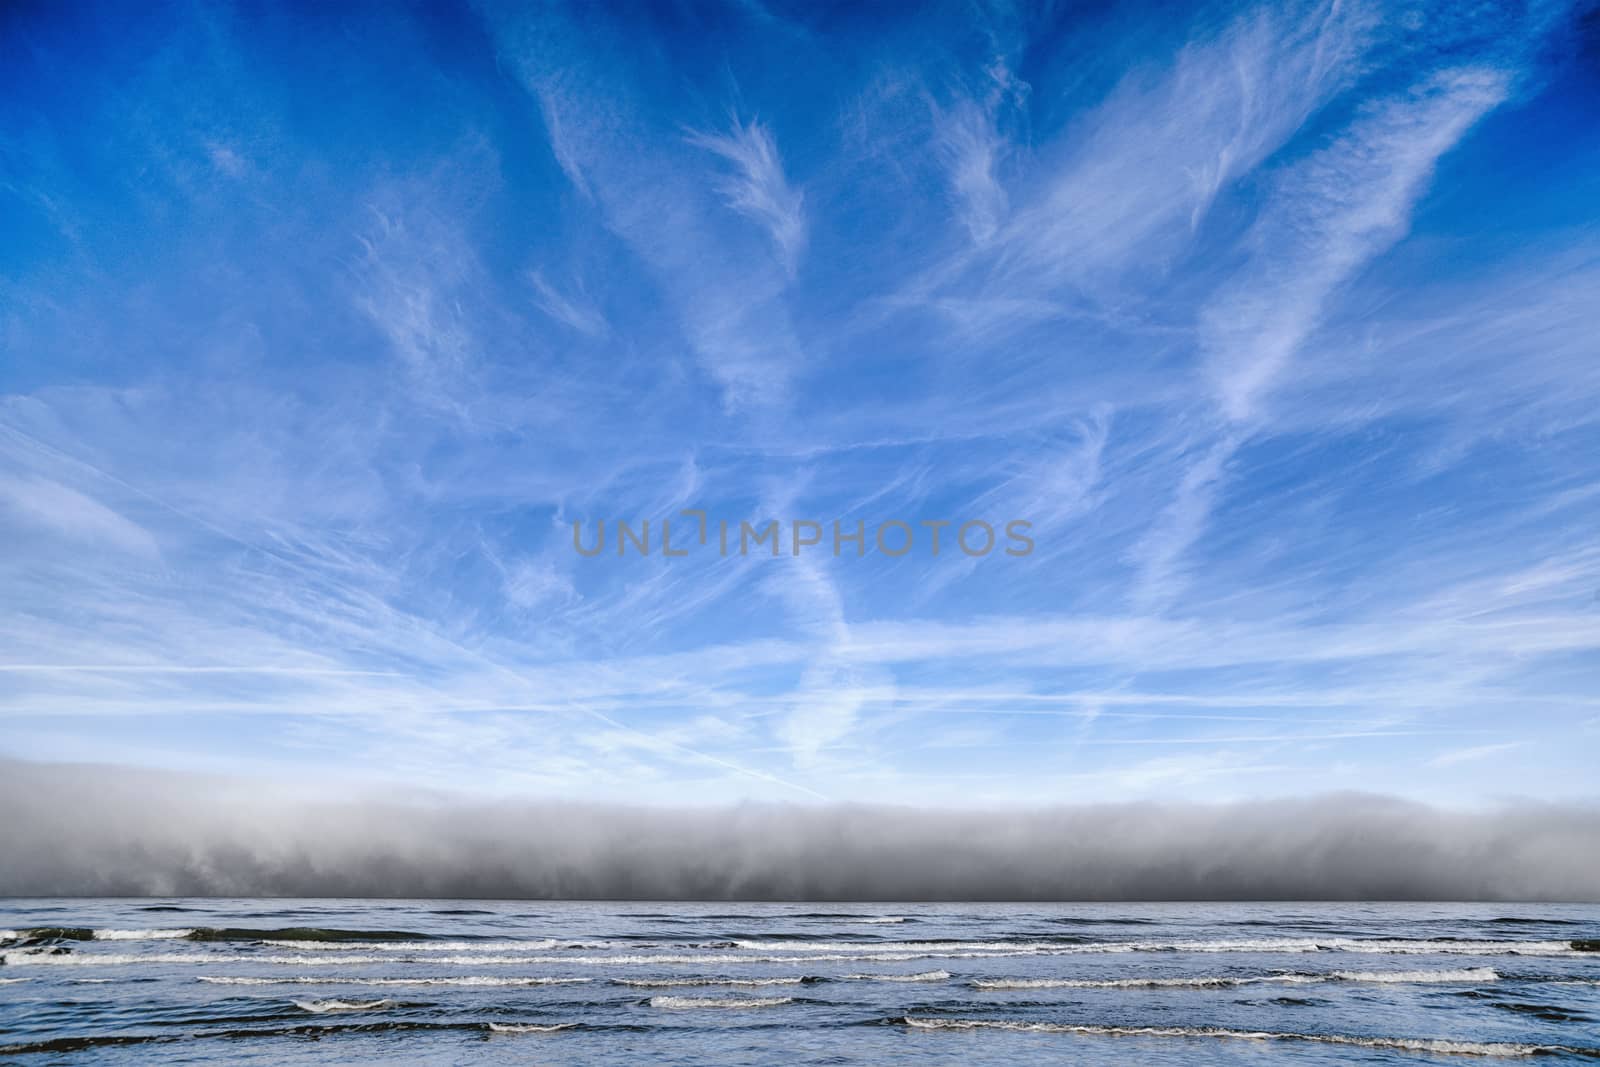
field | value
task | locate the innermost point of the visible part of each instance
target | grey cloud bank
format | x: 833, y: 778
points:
x: 76, y: 830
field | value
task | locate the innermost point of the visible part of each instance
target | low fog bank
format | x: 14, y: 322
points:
x: 70, y: 830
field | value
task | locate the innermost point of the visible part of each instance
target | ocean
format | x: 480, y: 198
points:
x: 134, y: 981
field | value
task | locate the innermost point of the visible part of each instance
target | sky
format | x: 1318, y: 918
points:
x: 322, y: 327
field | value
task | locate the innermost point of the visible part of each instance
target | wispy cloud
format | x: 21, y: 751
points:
x: 303, y: 413
x: 969, y: 140
x: 62, y: 511
x: 730, y: 307
x: 1327, y: 217
x: 1473, y: 753
x: 574, y: 313
x: 758, y: 188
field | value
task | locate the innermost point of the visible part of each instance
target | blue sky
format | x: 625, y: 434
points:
x: 320, y: 328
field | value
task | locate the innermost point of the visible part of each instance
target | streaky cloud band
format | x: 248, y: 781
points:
x: 81, y: 830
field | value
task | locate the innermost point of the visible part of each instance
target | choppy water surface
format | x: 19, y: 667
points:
x: 271, y: 981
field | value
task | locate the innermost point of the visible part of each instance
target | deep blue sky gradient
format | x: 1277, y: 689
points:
x: 321, y: 324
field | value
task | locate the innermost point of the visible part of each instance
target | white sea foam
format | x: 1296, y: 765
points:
x: 1104, y: 983
x: 1414, y: 1044
x: 544, y: 945
x: 529, y: 1028
x: 928, y: 947
x: 925, y: 976
x: 1344, y: 944
x: 321, y: 1007
x: 1468, y: 974
x: 674, y: 983
x: 1471, y: 974
x: 461, y: 980
x: 895, y: 952
x: 11, y: 981
x: 202, y: 957
x: 111, y: 959
x: 979, y: 949
x: 140, y: 935
x: 620, y: 960
x: 719, y: 1002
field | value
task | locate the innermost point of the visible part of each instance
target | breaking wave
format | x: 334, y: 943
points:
x: 690, y: 983
x: 1412, y: 1044
x: 719, y: 1002
x: 321, y: 1007
x: 1472, y: 974
x: 462, y: 980
x: 141, y: 935
x: 322, y: 936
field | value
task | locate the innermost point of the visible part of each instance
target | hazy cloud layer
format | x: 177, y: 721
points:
x: 83, y: 830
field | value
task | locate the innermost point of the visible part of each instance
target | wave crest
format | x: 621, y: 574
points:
x: 1411, y: 1044
x: 719, y: 1002
x: 322, y: 1007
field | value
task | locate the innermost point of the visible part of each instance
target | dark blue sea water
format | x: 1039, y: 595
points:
x: 440, y: 982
